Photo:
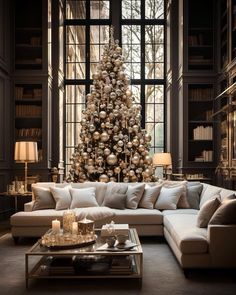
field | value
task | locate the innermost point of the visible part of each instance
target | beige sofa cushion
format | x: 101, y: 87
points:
x: 189, y: 238
x: 83, y: 197
x: 150, y: 196
x: 134, y: 194
x: 43, y: 198
x: 44, y: 217
x: 169, y: 197
x: 225, y: 214
x: 138, y: 216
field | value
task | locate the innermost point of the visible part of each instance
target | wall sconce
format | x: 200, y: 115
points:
x: 163, y: 160
x: 26, y: 152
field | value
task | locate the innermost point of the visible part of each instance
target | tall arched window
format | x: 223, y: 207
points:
x: 141, y: 28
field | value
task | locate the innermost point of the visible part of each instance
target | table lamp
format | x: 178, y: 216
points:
x: 162, y: 159
x: 26, y: 152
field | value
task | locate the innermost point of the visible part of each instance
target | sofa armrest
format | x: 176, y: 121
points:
x: 222, y: 245
x: 28, y: 207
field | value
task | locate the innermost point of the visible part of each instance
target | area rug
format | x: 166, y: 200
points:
x: 161, y: 275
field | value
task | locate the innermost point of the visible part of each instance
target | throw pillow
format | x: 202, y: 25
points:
x: 183, y: 202
x: 193, y: 194
x: 169, y: 197
x: 134, y: 195
x: 209, y: 193
x: 62, y: 197
x: 225, y: 214
x: 150, y: 196
x: 207, y: 210
x: 84, y: 197
x: 116, y: 195
x: 42, y: 198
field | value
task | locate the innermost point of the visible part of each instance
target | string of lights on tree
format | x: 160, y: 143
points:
x: 113, y: 146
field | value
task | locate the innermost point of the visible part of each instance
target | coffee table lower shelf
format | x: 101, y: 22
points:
x: 40, y: 264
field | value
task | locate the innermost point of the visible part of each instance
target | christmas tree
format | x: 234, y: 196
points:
x: 113, y: 146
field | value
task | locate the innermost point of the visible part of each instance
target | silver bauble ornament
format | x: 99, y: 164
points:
x: 135, y: 159
x: 113, y: 179
x: 112, y: 159
x: 131, y: 173
x: 113, y: 95
x: 119, y: 150
x: 125, y: 179
x: 129, y: 144
x: 92, y: 128
x: 104, y: 74
x: 101, y: 145
x: 120, y: 143
x: 99, y: 160
x: 104, y: 136
x: 102, y: 114
x: 148, y: 137
x: 148, y: 160
x: 118, y: 50
x: 118, y: 62
x: 107, y: 151
x: 107, y: 88
x: 103, y: 178
x: 116, y: 137
x: 116, y: 128
x: 100, y: 170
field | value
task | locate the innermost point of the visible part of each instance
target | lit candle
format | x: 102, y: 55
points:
x: 74, y: 228
x: 56, y: 225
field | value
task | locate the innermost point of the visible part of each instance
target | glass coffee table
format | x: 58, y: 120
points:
x: 85, y: 262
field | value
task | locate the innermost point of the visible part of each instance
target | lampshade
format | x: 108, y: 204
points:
x: 162, y: 159
x: 26, y: 151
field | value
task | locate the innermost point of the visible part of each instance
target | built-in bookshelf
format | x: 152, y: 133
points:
x: 28, y: 114
x: 28, y: 35
x: 200, y: 35
x: 233, y: 35
x: 200, y: 123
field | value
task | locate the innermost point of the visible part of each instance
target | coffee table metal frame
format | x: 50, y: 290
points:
x: 34, y: 269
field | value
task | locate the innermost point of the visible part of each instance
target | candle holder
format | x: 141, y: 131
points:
x: 85, y: 226
x: 68, y: 218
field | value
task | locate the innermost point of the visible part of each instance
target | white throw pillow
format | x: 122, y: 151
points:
x: 169, y: 197
x: 95, y: 213
x: 150, y: 196
x: 84, y: 197
x: 134, y: 195
x: 183, y: 201
x: 62, y: 197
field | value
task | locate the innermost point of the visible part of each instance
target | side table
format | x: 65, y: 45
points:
x: 26, y: 196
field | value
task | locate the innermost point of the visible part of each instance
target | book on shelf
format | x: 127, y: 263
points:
x: 206, y: 156
x: 29, y: 132
x: 28, y: 111
x: 203, y: 133
x: 200, y: 94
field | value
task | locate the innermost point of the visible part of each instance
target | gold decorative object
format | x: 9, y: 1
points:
x: 85, y: 226
x: 68, y: 218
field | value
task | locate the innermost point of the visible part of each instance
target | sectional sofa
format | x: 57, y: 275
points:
x: 194, y: 247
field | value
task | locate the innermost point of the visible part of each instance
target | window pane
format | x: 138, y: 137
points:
x: 136, y: 93
x: 154, y: 9
x: 150, y: 113
x: 131, y: 9
x: 75, y: 9
x: 99, y: 9
x: 131, y: 37
x: 75, y: 94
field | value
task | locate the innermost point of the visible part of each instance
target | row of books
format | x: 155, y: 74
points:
x: 22, y: 93
x: 195, y: 176
x: 199, y: 59
x: 29, y: 132
x: 206, y: 156
x: 194, y: 40
x: 28, y: 111
x: 203, y: 133
x: 200, y: 94
x: 35, y: 41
